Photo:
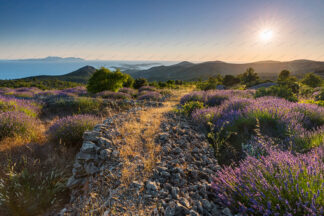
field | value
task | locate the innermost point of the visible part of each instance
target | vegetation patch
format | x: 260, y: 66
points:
x: 68, y: 131
x: 280, y: 183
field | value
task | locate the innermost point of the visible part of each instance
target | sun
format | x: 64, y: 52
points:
x: 266, y: 35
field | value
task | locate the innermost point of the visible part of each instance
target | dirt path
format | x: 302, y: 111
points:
x: 151, y: 161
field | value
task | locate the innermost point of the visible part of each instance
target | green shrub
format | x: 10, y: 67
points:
x: 129, y: 81
x: 230, y: 80
x: 312, y: 80
x: 18, y: 124
x: 166, y: 93
x: 31, y: 191
x: 69, y: 130
x: 140, y: 82
x: 191, y: 106
x: 71, y: 106
x: 103, y: 79
x: 277, y: 91
x: 249, y: 77
x: 320, y: 96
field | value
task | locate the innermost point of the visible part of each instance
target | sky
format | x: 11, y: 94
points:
x: 170, y: 30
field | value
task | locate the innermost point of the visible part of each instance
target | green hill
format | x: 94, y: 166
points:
x: 79, y: 76
x: 190, y: 71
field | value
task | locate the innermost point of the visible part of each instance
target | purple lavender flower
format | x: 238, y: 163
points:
x: 113, y: 95
x: 153, y: 96
x: 69, y: 130
x: 265, y: 175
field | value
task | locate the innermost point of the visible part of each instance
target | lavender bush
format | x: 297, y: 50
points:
x: 69, y: 130
x: 300, y: 125
x: 147, y: 88
x: 18, y: 124
x: 113, y: 95
x: 216, y: 97
x: 64, y: 106
x: 152, y: 96
x: 278, y: 184
x: 129, y: 91
x: 28, y: 107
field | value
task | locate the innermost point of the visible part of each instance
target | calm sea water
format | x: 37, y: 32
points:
x: 20, y: 69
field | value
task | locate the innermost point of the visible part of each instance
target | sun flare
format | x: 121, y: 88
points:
x: 266, y: 35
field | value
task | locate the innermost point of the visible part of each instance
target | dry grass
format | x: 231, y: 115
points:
x: 138, y: 137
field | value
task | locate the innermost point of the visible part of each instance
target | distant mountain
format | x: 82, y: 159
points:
x: 190, y: 71
x: 80, y: 76
x: 52, y: 58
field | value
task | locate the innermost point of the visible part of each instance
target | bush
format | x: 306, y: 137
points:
x: 236, y: 120
x: 147, y: 88
x: 129, y: 81
x: 230, y: 80
x: 320, y: 95
x: 113, y: 95
x: 215, y: 99
x: 30, y: 108
x: 277, y: 91
x: 166, y: 93
x: 193, y: 96
x: 69, y: 130
x: 18, y: 124
x: 189, y: 107
x: 129, y: 91
x: 278, y: 184
x: 249, y: 77
x: 139, y: 82
x: 70, y: 106
x: 31, y: 191
x: 312, y: 80
x: 103, y: 79
x: 151, y: 95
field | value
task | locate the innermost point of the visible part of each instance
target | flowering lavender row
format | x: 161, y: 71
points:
x: 69, y: 130
x: 216, y: 97
x: 278, y: 184
x: 301, y: 121
x: 28, y: 107
x: 113, y: 95
x: 147, y: 88
x: 18, y: 124
x: 129, y: 91
x: 33, y: 92
x: 150, y: 95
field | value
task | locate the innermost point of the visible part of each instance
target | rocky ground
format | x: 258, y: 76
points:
x: 177, y: 184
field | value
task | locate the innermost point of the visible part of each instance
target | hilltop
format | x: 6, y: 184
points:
x: 80, y: 76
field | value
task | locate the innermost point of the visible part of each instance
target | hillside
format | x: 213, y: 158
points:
x: 190, y: 71
x: 80, y: 76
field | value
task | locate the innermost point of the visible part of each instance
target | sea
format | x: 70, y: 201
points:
x: 14, y: 69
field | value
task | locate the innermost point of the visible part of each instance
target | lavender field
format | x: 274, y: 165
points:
x: 40, y: 133
x: 271, y: 150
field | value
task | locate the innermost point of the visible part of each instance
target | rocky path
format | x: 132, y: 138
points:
x: 147, y: 161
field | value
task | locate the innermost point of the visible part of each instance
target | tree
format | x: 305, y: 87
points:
x: 284, y: 76
x: 139, y: 82
x: 230, y: 80
x: 284, y: 79
x: 249, y: 77
x: 170, y: 82
x: 312, y: 80
x: 162, y: 84
x: 129, y: 82
x: 103, y: 79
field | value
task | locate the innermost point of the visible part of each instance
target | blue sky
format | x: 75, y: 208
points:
x: 195, y: 30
